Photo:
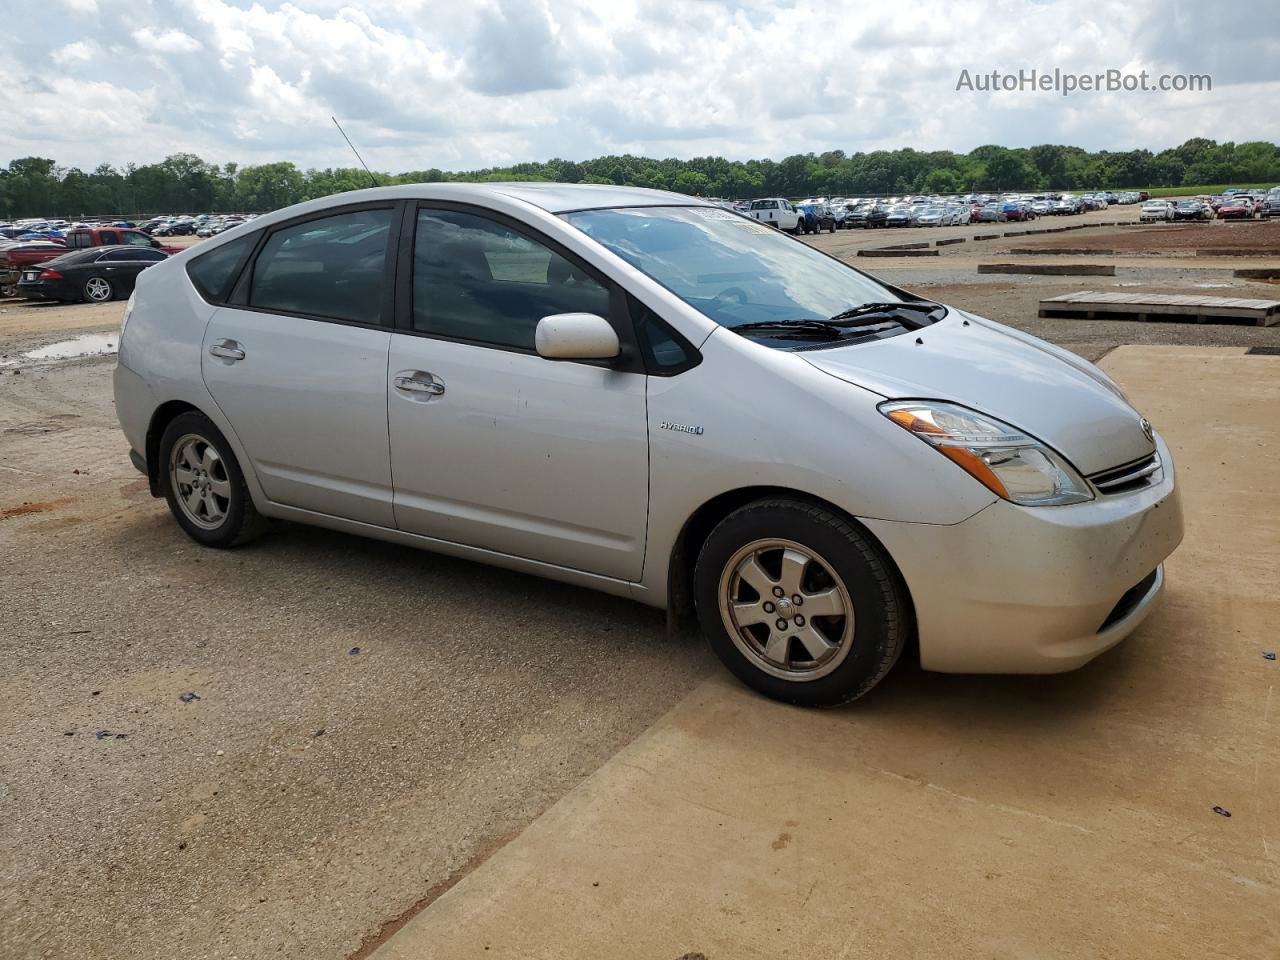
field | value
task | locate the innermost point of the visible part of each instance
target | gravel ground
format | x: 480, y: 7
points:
x: 310, y: 795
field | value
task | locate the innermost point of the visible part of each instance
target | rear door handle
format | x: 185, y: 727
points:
x: 419, y: 382
x: 227, y: 350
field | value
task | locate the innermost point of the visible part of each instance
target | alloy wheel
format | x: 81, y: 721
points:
x: 201, y: 485
x: 97, y: 289
x: 786, y: 609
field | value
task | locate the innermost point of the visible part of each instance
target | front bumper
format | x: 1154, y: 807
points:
x: 1036, y: 589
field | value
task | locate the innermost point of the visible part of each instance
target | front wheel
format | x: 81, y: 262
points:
x: 203, y: 484
x: 799, y: 604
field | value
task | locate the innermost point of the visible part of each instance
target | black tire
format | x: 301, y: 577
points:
x: 882, y: 619
x: 241, y: 521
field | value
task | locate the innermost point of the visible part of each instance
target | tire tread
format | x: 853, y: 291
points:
x: 897, y: 611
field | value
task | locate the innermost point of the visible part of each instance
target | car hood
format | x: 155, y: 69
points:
x: 1043, y: 390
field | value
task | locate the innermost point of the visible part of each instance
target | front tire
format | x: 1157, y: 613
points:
x: 799, y: 603
x: 203, y: 484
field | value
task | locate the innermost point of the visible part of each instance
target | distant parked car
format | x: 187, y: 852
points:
x: 1155, y: 211
x: 817, y: 217
x: 931, y: 217
x: 1192, y: 210
x: 1271, y: 206
x: 900, y: 217
x: 1018, y: 212
x: 93, y: 274
x: 1236, y: 208
x: 776, y: 212
x: 992, y: 213
x: 877, y: 215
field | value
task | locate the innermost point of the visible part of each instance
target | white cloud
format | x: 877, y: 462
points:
x: 167, y: 41
x: 77, y: 52
x: 423, y: 83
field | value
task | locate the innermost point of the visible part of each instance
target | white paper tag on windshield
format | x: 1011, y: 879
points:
x: 714, y: 213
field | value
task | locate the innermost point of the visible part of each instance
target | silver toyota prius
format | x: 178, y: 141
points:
x: 645, y: 394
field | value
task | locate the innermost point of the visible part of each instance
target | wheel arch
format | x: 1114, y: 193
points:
x: 696, y: 529
x: 160, y: 420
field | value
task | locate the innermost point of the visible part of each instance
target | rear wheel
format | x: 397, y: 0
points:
x: 203, y: 484
x: 98, y: 290
x: 799, y: 604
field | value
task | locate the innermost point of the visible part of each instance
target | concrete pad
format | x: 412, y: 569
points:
x: 1052, y: 269
x: 945, y: 816
x: 889, y: 252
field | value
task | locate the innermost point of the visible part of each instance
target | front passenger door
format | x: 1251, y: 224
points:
x: 500, y: 448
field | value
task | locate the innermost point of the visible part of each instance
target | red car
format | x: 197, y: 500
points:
x: 33, y: 251
x: 27, y: 254
x: 1235, y: 209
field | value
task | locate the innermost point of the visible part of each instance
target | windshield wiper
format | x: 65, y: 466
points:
x: 880, y: 309
x: 795, y: 328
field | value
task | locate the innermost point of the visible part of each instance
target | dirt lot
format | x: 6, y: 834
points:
x: 312, y: 794
x: 1167, y: 238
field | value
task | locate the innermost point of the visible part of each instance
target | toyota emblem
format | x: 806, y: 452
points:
x: 1146, y: 428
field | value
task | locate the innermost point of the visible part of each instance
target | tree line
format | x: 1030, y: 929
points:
x: 184, y: 183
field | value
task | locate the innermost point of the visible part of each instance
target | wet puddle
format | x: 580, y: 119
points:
x: 85, y: 345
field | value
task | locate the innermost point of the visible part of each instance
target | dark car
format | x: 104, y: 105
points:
x: 816, y: 217
x: 875, y: 216
x: 95, y: 274
x: 1191, y: 210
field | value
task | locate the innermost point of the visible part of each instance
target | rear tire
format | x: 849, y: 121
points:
x: 203, y: 484
x: 769, y: 642
x: 98, y: 290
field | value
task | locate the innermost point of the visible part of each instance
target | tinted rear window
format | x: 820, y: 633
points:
x: 214, y: 272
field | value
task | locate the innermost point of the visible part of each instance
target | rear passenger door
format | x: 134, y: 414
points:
x: 296, y: 358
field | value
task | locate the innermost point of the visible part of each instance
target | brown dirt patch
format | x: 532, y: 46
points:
x: 1177, y: 238
x: 39, y: 506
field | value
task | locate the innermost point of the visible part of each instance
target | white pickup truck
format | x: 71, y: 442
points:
x: 776, y: 212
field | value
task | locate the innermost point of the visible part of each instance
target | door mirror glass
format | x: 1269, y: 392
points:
x: 576, y: 336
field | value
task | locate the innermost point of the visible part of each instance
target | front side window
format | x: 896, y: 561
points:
x: 332, y: 267
x: 734, y: 270
x: 479, y: 280
x: 108, y: 237
x: 137, y: 239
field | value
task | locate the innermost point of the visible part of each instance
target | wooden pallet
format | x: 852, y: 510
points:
x: 1093, y: 304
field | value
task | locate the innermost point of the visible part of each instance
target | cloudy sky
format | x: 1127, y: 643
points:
x: 459, y: 84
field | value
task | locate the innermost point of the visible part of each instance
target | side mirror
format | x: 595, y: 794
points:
x: 576, y: 336
x: 156, y: 243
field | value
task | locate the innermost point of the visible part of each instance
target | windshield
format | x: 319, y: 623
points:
x: 733, y: 269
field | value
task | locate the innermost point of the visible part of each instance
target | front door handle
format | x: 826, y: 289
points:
x: 227, y: 350
x: 418, y: 382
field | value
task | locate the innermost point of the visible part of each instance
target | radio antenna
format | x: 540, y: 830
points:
x: 355, y: 151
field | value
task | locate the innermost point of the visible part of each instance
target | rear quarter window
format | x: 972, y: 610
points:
x: 214, y: 273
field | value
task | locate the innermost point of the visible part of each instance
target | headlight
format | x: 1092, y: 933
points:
x: 1002, y: 458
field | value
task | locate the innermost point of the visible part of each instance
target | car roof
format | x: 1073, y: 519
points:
x: 553, y: 198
